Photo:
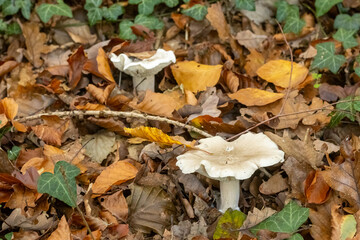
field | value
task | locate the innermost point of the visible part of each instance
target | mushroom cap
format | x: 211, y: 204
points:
x: 238, y: 159
x: 146, y: 67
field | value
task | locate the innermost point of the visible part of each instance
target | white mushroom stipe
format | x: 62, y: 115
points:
x: 143, y: 71
x: 230, y: 162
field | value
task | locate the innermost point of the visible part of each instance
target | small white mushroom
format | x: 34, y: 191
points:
x: 230, y: 162
x: 143, y: 70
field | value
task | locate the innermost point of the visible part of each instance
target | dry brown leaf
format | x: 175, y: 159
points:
x: 321, y: 117
x: 231, y: 80
x: 316, y: 189
x: 217, y: 19
x: 41, y: 164
x: 48, y: 134
x: 116, y: 204
x: 100, y: 93
x: 250, y: 40
x: 79, y: 33
x: 278, y: 73
x: 195, y: 76
x: 256, y: 216
x: 35, y: 43
x: 109, y: 123
x: 253, y: 62
x: 275, y: 184
x: 62, y: 232
x: 7, y: 66
x: 156, y: 104
x: 114, y: 174
x: 76, y: 62
x: 154, y: 135
x: 103, y: 66
x: 22, y: 198
x: 255, y: 97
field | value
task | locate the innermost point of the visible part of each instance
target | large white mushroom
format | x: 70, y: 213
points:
x: 230, y: 162
x: 143, y: 70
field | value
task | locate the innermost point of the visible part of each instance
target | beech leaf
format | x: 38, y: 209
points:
x: 230, y: 221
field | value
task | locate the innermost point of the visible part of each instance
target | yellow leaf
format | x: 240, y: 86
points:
x: 195, y: 76
x: 278, y: 73
x: 154, y: 135
x: 114, y: 174
x: 255, y: 97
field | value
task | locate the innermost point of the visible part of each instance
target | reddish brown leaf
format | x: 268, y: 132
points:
x: 100, y: 93
x: 48, y: 134
x: 116, y: 204
x: 76, y: 62
x: 109, y: 123
x: 316, y: 189
x: 103, y: 66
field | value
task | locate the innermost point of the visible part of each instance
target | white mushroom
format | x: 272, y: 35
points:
x: 230, y: 162
x: 143, y: 70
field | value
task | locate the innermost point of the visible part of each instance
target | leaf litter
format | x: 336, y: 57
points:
x: 109, y: 170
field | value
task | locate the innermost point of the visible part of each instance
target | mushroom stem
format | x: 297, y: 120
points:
x: 144, y: 83
x: 230, y: 194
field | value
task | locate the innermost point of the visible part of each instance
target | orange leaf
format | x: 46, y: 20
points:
x: 255, y: 97
x: 76, y: 62
x: 49, y: 135
x: 114, y: 174
x: 3, y: 120
x: 253, y: 62
x: 101, y: 94
x: 153, y: 135
x: 103, y: 65
x: 41, y: 164
x: 62, y: 232
x: 278, y: 73
x: 19, y: 126
x: 195, y: 76
x: 10, y: 107
x: 316, y: 189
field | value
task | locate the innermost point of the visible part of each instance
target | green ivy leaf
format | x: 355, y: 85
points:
x: 13, y: 29
x: 8, y: 236
x: 288, y: 220
x: 357, y: 71
x: 145, y: 7
x: 245, y: 4
x: 46, y: 11
x: 228, y: 223
x: 1, y: 2
x: 3, y: 26
x: 14, y: 153
x: 94, y: 15
x: 282, y: 10
x: 346, y: 37
x: 25, y: 6
x: 9, y: 8
x: 113, y: 12
x: 150, y: 22
x: 296, y: 236
x: 125, y: 31
x: 323, y: 6
x: 90, y: 4
x: 171, y: 3
x: 326, y: 58
x: 347, y: 22
x: 62, y: 184
x: 197, y: 12
x: 348, y: 106
x: 293, y: 23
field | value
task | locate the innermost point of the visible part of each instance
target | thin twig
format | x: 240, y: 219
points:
x: 108, y: 113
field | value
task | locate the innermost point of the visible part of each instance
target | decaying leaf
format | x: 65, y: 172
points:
x: 150, y: 208
x: 76, y: 62
x: 255, y: 97
x: 62, y: 231
x: 99, y: 145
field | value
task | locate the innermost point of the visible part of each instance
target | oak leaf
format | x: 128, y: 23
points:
x: 195, y: 76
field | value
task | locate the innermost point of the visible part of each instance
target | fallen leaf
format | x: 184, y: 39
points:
x: 76, y: 62
x: 109, y: 123
x: 232, y: 219
x: 154, y: 135
x: 100, y: 93
x: 217, y: 19
x: 255, y: 97
x: 156, y: 104
x: 22, y: 198
x: 253, y: 62
x: 256, y: 216
x: 195, y: 76
x: 114, y: 174
x: 49, y: 135
x: 343, y: 226
x: 116, y: 205
x: 275, y: 184
x: 79, y: 32
x: 62, y: 232
x: 250, y: 40
x: 316, y: 189
x: 40, y: 164
x: 7, y: 66
x: 99, y: 145
x: 150, y: 208
x: 231, y: 80
x: 35, y: 43
x: 278, y: 73
x: 213, y: 125
x: 103, y: 66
